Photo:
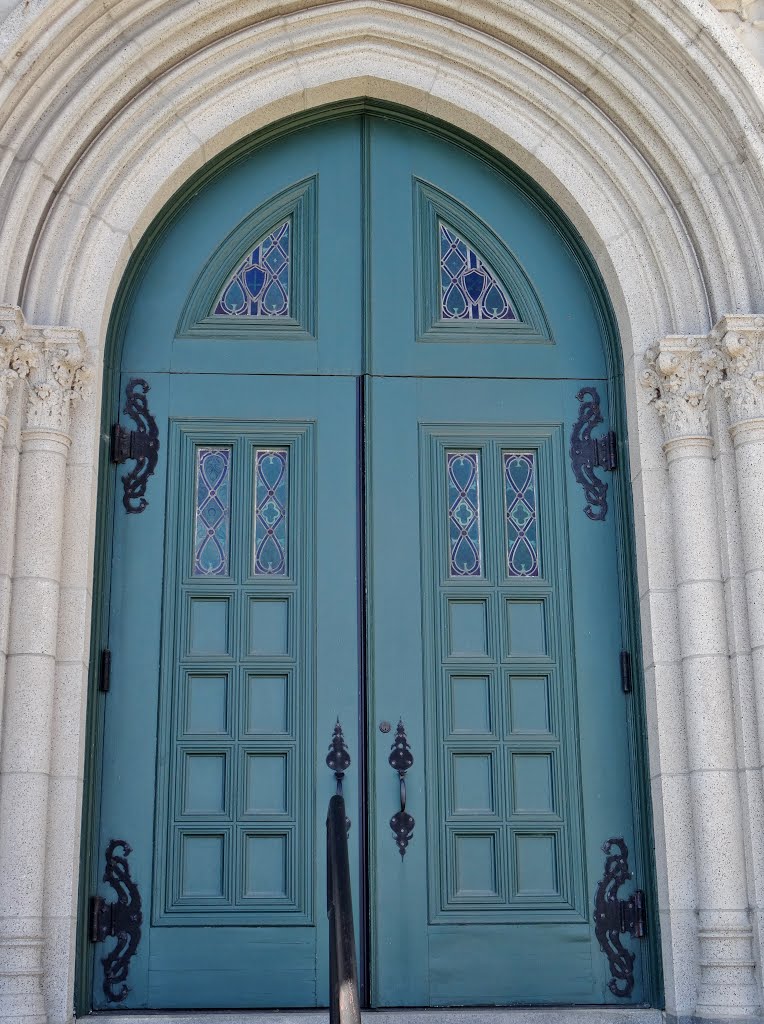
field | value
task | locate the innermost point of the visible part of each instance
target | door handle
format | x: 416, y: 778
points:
x: 338, y: 758
x: 400, y: 760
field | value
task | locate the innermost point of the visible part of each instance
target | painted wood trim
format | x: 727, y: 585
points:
x: 554, y: 588
x: 297, y: 204
x: 433, y: 206
x: 243, y: 439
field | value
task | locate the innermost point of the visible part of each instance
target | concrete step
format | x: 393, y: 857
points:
x: 510, y: 1015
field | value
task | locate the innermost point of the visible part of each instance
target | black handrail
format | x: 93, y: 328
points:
x: 344, y: 1003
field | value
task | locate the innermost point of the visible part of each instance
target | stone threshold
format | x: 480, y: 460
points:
x: 503, y: 1015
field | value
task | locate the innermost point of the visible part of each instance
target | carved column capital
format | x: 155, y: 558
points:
x: 740, y: 342
x: 11, y: 325
x: 59, y: 373
x: 679, y: 371
x: 53, y: 362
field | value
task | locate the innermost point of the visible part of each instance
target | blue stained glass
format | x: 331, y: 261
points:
x: 469, y: 290
x: 213, y: 511
x: 521, y: 513
x: 271, y: 495
x: 465, y: 554
x: 260, y: 284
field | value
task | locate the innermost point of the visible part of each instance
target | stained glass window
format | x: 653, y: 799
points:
x: 271, y: 497
x: 260, y: 284
x: 213, y: 511
x: 521, y: 513
x: 465, y: 549
x: 469, y: 290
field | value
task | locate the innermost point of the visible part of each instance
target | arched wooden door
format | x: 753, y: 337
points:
x: 366, y: 348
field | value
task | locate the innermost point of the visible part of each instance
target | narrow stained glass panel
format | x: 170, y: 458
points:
x: 521, y: 513
x: 464, y: 530
x: 260, y: 284
x: 212, y: 521
x: 271, y: 498
x: 469, y: 290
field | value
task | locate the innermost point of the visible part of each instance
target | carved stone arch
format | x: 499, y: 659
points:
x: 553, y: 89
x: 584, y: 97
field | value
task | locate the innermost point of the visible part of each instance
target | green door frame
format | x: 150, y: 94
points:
x: 643, y: 856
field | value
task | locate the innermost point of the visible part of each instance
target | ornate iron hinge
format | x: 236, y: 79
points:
x: 121, y: 920
x: 588, y: 453
x: 614, y: 917
x: 140, y: 445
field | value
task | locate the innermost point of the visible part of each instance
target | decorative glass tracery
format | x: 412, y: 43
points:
x: 212, y: 511
x: 465, y: 548
x: 260, y: 284
x: 521, y: 513
x: 469, y: 290
x: 271, y: 496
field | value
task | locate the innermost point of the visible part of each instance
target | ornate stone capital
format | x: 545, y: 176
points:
x: 11, y: 324
x: 740, y: 342
x: 53, y: 362
x: 679, y: 371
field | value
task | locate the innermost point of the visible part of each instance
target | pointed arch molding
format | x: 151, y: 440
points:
x: 297, y: 204
x: 432, y: 207
x: 584, y: 97
x: 641, y: 120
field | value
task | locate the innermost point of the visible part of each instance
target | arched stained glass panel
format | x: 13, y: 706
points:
x: 260, y: 284
x: 469, y: 290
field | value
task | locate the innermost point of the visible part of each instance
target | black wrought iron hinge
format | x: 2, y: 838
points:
x: 128, y: 444
x: 614, y: 917
x: 109, y: 919
x: 101, y: 919
x: 104, y: 674
x: 588, y: 453
x: 120, y: 919
x: 140, y: 445
x: 626, y: 683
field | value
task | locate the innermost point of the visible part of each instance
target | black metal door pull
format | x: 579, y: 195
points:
x: 338, y: 758
x: 401, y: 759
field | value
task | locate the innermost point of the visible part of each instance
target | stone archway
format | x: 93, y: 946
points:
x: 642, y: 123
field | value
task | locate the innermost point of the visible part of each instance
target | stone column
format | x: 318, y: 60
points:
x: 741, y: 344
x: 680, y: 372
x: 742, y: 347
x: 11, y: 327
x: 54, y: 359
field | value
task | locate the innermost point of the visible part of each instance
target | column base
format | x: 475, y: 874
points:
x: 21, y: 996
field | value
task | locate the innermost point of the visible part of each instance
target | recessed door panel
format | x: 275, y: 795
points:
x: 226, y: 684
x: 496, y: 638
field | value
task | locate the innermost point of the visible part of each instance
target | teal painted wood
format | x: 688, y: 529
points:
x: 165, y: 327
x: 433, y: 208
x: 509, y: 689
x: 522, y: 755
x: 224, y: 806
x: 509, y: 226
x: 295, y: 204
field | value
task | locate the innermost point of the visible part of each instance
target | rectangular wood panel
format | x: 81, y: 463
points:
x: 237, y: 643
x: 502, y: 776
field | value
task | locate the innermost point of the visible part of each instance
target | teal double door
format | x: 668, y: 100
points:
x: 363, y: 344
